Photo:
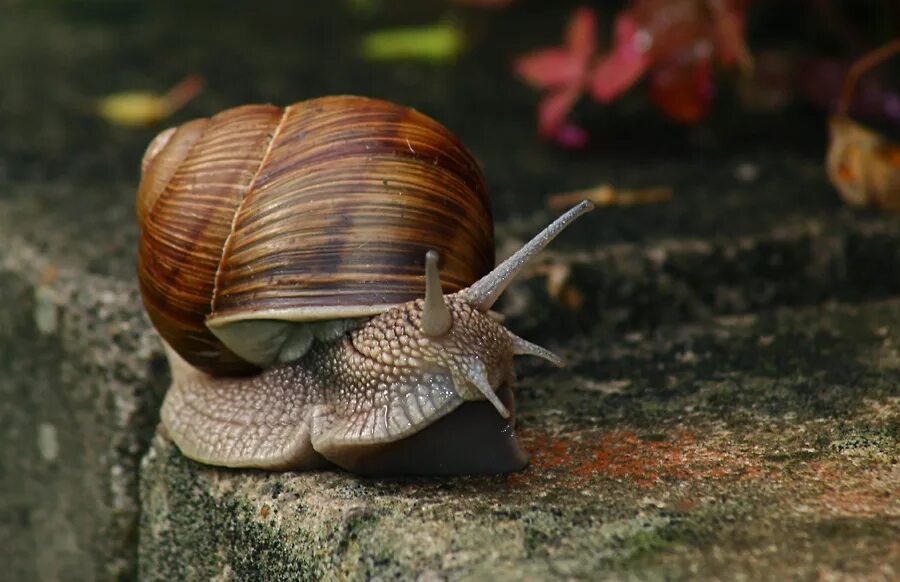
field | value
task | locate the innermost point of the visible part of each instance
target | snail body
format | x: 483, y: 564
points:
x: 281, y: 262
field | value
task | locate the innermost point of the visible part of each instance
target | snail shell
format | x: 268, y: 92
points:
x: 320, y: 211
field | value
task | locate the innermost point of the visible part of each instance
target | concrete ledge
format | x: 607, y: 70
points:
x: 632, y: 286
x: 81, y: 369
x: 85, y: 373
x: 756, y: 447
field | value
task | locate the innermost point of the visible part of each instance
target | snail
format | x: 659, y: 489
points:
x: 281, y: 261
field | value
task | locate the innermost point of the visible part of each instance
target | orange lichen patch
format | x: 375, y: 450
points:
x: 868, y: 492
x: 49, y: 274
x: 623, y: 455
x: 551, y: 453
x: 578, y: 458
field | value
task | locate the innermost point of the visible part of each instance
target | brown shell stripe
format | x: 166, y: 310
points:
x: 350, y: 196
x: 185, y: 231
x: 164, y: 155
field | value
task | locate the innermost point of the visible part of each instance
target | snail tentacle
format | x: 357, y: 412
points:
x: 476, y: 375
x: 485, y: 292
x: 436, y: 319
x: 523, y: 347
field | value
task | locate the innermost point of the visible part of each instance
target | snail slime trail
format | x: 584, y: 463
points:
x: 295, y: 346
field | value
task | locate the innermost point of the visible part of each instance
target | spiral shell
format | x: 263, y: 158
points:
x: 322, y: 210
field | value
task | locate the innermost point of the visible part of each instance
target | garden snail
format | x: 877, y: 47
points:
x: 281, y: 261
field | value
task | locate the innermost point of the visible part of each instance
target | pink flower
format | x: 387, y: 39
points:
x: 485, y: 3
x: 564, y: 72
x: 673, y: 42
x: 621, y: 69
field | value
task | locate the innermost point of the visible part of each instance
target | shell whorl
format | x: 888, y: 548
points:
x: 320, y: 210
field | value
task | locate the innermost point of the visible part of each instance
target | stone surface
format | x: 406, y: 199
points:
x: 678, y: 440
x: 764, y: 446
x: 80, y: 388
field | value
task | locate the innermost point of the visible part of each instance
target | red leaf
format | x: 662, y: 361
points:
x: 548, y: 68
x: 564, y: 72
x: 581, y: 34
x: 728, y: 34
x: 683, y: 91
x: 616, y: 73
x: 554, y: 108
x: 571, y: 137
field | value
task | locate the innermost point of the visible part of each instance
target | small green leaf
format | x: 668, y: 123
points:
x: 436, y: 43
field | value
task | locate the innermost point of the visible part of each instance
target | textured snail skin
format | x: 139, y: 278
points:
x: 297, y: 235
x: 385, y: 399
x: 403, y: 394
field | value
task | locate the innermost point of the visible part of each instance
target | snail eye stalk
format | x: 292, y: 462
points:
x: 436, y: 318
x: 485, y: 292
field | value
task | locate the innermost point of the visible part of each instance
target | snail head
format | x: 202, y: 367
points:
x: 458, y: 333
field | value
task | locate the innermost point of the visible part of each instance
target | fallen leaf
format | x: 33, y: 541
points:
x: 434, y: 43
x: 564, y: 73
x: 673, y: 43
x: 683, y: 92
x: 141, y: 108
x: 485, y: 3
x: 606, y: 195
x: 862, y: 164
x: 560, y: 289
x: 820, y: 81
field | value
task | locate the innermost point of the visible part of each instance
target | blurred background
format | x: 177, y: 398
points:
x: 722, y: 103
x: 59, y: 58
x: 717, y: 112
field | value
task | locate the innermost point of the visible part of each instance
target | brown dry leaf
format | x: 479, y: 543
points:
x: 606, y: 195
x: 861, y: 163
x: 559, y: 288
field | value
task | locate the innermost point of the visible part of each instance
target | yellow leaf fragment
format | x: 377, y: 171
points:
x: 606, y: 195
x: 143, y: 108
x: 133, y: 108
